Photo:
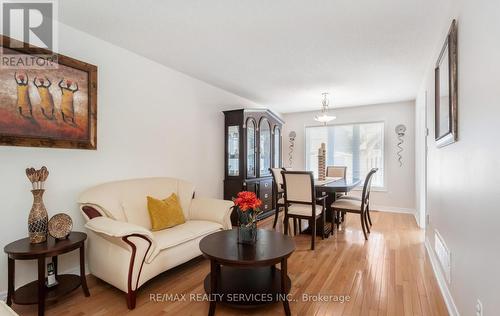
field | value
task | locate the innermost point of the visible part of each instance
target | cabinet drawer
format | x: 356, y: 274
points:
x: 266, y: 189
x: 251, y: 186
x: 265, y: 195
x: 267, y: 204
x: 266, y: 184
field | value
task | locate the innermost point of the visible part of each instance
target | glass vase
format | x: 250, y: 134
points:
x: 247, y: 234
x: 38, y: 219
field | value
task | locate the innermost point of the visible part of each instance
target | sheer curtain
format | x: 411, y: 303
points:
x: 360, y: 147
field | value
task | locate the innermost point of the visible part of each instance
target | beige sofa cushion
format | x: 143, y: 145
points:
x: 126, y: 200
x: 182, y: 233
x: 303, y: 209
x: 347, y: 204
x: 6, y: 310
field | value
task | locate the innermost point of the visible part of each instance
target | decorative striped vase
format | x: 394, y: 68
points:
x: 38, y: 219
x: 322, y: 162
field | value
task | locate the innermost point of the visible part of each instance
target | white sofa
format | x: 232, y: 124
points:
x: 122, y: 249
x: 6, y: 310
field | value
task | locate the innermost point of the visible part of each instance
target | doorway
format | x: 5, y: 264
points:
x: 421, y: 143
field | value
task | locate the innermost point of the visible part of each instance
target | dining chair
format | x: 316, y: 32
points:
x: 278, y: 192
x: 358, y: 206
x: 336, y: 171
x: 357, y: 198
x: 301, y: 201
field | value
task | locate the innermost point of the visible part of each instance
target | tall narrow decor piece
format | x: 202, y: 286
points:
x: 247, y: 205
x: 400, y: 132
x: 322, y: 162
x: 38, y: 218
x: 291, y: 138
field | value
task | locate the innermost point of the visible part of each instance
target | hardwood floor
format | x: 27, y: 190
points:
x: 390, y: 274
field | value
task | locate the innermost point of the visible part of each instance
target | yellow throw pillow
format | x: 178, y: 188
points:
x: 165, y: 213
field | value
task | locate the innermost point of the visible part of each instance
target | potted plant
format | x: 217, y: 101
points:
x: 247, y: 206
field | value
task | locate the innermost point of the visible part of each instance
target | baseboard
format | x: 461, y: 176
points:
x: 74, y: 270
x: 417, y: 219
x: 392, y: 209
x: 441, y: 280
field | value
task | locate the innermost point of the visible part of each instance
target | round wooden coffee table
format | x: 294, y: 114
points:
x: 246, y: 275
x: 37, y: 292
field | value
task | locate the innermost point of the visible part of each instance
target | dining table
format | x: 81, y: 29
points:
x: 332, y: 187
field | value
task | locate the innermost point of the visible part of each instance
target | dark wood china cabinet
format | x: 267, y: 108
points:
x: 252, y: 146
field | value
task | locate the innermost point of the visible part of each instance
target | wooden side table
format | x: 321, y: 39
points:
x: 37, y: 292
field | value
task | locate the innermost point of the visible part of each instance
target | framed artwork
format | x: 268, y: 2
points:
x: 47, y: 107
x: 446, y: 91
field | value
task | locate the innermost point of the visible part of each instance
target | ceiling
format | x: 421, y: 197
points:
x: 283, y: 53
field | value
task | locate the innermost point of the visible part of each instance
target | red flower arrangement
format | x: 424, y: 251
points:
x: 247, y: 201
x: 248, y: 207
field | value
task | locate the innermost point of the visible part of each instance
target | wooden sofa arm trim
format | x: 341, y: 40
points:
x: 90, y: 212
x: 131, y: 295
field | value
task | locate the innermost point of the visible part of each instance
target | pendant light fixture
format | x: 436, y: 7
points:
x: 323, y: 117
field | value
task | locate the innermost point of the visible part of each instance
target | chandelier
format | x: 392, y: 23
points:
x: 323, y: 117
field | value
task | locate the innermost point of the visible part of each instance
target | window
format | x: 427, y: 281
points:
x: 360, y: 147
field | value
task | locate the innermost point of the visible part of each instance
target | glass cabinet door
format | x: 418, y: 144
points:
x: 277, y: 147
x: 251, y: 148
x: 265, y: 147
x: 233, y: 150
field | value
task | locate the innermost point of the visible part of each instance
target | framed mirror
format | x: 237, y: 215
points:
x: 446, y: 91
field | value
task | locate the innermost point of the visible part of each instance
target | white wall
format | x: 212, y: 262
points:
x: 152, y: 121
x: 463, y: 190
x: 400, y: 193
x: 420, y: 157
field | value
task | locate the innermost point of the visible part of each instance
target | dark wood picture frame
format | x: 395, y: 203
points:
x: 53, y: 142
x: 449, y: 54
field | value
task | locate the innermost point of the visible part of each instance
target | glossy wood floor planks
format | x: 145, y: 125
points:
x: 390, y: 274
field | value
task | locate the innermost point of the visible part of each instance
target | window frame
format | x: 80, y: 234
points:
x: 383, y: 188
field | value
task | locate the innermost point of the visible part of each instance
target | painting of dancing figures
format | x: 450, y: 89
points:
x: 49, y: 107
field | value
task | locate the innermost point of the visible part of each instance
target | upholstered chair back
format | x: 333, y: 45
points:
x: 367, y: 187
x: 127, y: 200
x: 336, y: 171
x: 299, y: 186
x: 278, y: 178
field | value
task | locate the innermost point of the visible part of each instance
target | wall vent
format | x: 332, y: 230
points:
x: 443, y: 255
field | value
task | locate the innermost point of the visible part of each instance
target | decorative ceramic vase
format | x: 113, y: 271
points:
x: 247, y: 234
x: 38, y: 218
